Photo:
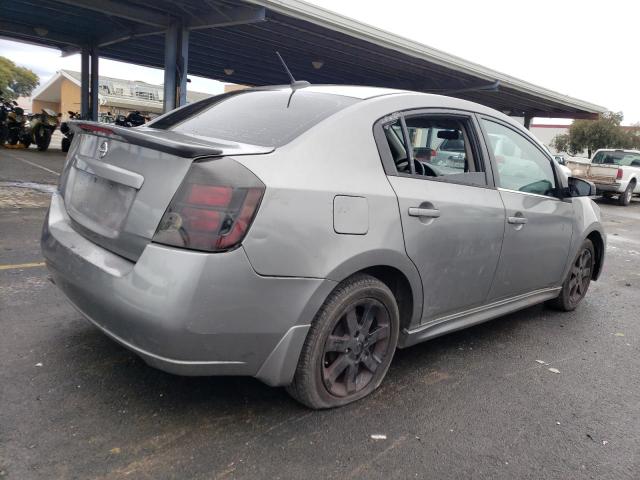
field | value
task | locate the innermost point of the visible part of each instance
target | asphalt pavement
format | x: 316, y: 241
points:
x: 481, y: 403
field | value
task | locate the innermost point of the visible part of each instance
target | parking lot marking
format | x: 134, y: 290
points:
x: 34, y: 164
x: 18, y: 266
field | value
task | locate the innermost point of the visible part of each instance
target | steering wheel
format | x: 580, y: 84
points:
x: 424, y: 169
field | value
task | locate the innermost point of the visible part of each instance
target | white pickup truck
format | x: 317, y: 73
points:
x: 614, y: 172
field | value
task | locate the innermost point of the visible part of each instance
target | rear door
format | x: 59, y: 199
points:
x: 539, y: 225
x: 452, y: 216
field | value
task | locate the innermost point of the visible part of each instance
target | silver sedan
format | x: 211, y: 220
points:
x: 301, y: 236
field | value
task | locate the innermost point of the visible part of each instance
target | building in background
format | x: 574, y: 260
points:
x: 115, y: 96
x: 546, y: 134
x: 233, y: 87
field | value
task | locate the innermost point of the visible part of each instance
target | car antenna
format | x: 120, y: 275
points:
x: 295, y: 84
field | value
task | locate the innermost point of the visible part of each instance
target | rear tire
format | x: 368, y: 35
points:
x: 349, y: 346
x: 625, y: 197
x: 577, y: 282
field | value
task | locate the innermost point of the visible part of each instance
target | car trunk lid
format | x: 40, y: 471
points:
x: 118, y: 182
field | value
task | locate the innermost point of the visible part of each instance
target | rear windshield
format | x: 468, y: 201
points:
x: 623, y: 159
x: 266, y: 117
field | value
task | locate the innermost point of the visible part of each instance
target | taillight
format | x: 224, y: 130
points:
x: 92, y: 128
x: 213, y: 208
x: 619, y: 174
x: 433, y: 153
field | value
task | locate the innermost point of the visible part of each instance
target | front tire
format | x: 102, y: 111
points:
x: 43, y: 139
x: 66, y: 143
x: 349, y: 346
x: 625, y: 197
x: 578, y: 280
x: 13, y: 137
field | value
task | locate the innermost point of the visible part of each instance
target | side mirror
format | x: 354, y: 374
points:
x: 579, y: 188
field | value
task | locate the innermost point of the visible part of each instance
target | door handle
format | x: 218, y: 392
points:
x: 517, y: 220
x: 424, y: 212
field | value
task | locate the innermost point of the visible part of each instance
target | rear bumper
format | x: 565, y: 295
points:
x: 616, y: 187
x: 186, y: 312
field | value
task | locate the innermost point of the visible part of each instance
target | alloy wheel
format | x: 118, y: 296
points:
x: 580, y: 276
x: 356, y: 347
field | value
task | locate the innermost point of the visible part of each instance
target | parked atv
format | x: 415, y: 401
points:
x: 42, y: 127
x: 67, y: 132
x: 5, y: 108
x: 134, y: 119
x: 18, y: 129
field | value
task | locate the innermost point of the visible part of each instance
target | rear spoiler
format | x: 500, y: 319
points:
x: 167, y: 141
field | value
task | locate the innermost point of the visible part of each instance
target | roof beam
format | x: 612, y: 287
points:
x: 146, y: 16
x: 239, y: 15
x: 236, y: 16
x: 117, y: 37
x: 9, y: 28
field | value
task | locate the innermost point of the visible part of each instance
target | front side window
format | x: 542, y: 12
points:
x: 521, y: 166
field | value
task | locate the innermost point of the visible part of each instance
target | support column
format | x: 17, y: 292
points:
x: 176, y: 55
x: 182, y: 64
x: 94, y: 85
x: 527, y: 121
x: 170, y: 60
x: 84, y: 83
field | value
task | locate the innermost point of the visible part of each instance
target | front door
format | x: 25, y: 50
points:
x: 538, y: 225
x: 452, y: 219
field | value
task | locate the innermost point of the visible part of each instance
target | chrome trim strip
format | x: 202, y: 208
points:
x: 500, y: 189
x: 109, y: 172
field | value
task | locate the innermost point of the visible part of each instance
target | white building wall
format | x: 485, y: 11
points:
x: 546, y: 134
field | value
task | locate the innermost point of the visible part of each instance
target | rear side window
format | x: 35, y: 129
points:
x: 617, y: 157
x: 266, y: 117
x: 435, y: 147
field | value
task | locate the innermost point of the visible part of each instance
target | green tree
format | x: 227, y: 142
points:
x: 591, y: 135
x: 16, y: 81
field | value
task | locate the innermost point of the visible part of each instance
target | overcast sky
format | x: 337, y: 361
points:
x: 585, y: 49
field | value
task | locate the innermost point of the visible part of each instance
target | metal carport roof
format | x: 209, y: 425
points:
x: 243, y: 35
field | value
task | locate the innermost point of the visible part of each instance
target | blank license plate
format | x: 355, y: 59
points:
x: 98, y: 204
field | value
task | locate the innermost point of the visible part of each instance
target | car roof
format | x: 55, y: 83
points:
x: 355, y: 91
x: 623, y: 150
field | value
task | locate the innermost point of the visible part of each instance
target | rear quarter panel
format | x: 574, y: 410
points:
x: 293, y: 233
